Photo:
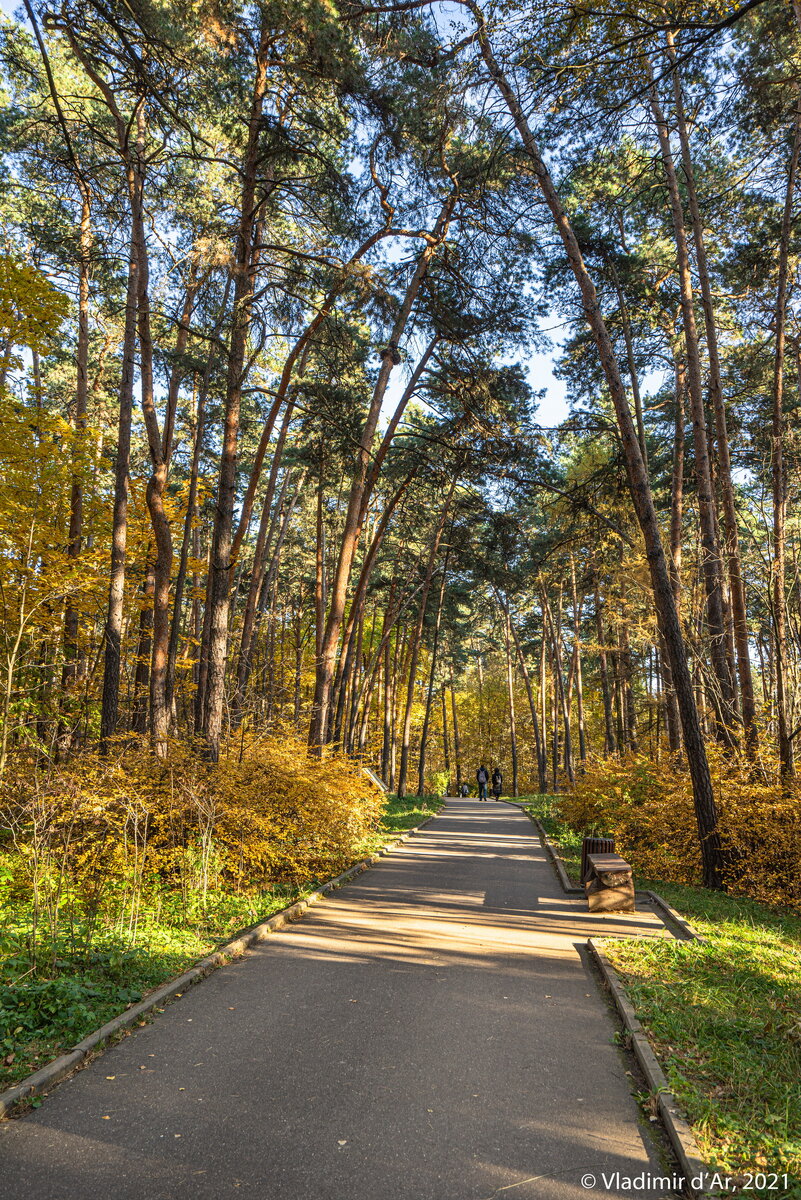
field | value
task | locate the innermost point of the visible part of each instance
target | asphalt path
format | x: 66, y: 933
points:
x: 432, y: 1031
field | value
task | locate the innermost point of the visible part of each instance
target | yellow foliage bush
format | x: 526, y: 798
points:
x: 268, y: 814
x: 648, y: 808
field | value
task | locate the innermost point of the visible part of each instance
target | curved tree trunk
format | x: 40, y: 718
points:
x: 355, y: 512
x: 703, y: 794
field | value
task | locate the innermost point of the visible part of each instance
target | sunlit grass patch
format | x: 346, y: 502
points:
x: 724, y: 1017
x: 725, y: 1021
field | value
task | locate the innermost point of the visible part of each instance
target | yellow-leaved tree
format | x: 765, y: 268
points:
x: 35, y: 467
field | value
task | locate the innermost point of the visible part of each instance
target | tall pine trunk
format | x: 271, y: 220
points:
x: 416, y: 639
x: 421, y: 763
x: 354, y: 516
x: 711, y: 557
x: 736, y: 583
x: 221, y: 560
x: 779, y: 597
x: 703, y: 794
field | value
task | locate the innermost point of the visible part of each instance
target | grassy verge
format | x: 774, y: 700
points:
x: 724, y: 1019
x: 568, y: 841
x: 401, y: 815
x: 49, y: 1005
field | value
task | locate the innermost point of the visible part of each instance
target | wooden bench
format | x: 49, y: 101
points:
x: 609, y: 884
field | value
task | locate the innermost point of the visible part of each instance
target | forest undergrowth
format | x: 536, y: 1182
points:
x: 117, y: 875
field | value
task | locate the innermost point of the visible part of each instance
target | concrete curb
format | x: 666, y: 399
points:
x: 54, y: 1072
x: 687, y: 933
x: 551, y: 851
x: 556, y: 861
x: 696, y: 1174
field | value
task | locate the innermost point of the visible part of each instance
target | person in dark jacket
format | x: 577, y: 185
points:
x: 482, y: 779
x: 497, y: 783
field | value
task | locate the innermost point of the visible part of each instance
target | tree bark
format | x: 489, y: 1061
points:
x: 183, y: 559
x: 610, y: 741
x: 156, y: 486
x: 711, y: 559
x: 554, y: 632
x: 221, y: 559
x: 732, y: 542
x: 510, y: 687
x: 355, y: 511
x: 69, y: 673
x: 786, y: 757
x: 345, y: 662
x: 577, y: 669
x: 421, y: 762
x: 703, y: 794
x: 144, y: 649
x: 119, y: 521
x: 446, y: 750
x: 542, y: 765
x: 457, y: 751
x: 416, y: 638
x: 259, y: 563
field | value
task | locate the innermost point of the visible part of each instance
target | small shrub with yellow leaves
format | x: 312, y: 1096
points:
x: 91, y: 839
x: 648, y: 808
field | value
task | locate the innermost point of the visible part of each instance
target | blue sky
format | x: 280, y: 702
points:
x: 539, y: 366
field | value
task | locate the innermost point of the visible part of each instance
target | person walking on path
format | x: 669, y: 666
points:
x: 497, y: 783
x: 482, y: 778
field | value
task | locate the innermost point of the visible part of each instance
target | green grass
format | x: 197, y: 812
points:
x: 569, y: 842
x: 724, y: 1018
x: 85, y: 977
x: 401, y: 815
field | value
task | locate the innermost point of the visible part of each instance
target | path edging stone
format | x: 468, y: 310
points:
x: 553, y: 854
x: 54, y: 1072
x: 557, y: 862
x: 676, y: 1125
x: 695, y: 1172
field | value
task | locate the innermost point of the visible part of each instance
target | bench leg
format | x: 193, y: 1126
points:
x: 610, y: 899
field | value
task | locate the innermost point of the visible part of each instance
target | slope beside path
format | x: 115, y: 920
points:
x: 430, y: 1032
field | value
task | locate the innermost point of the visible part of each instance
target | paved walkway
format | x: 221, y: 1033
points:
x: 431, y: 1032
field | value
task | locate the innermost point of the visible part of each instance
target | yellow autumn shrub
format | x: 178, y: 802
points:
x: 268, y: 813
x: 648, y: 808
